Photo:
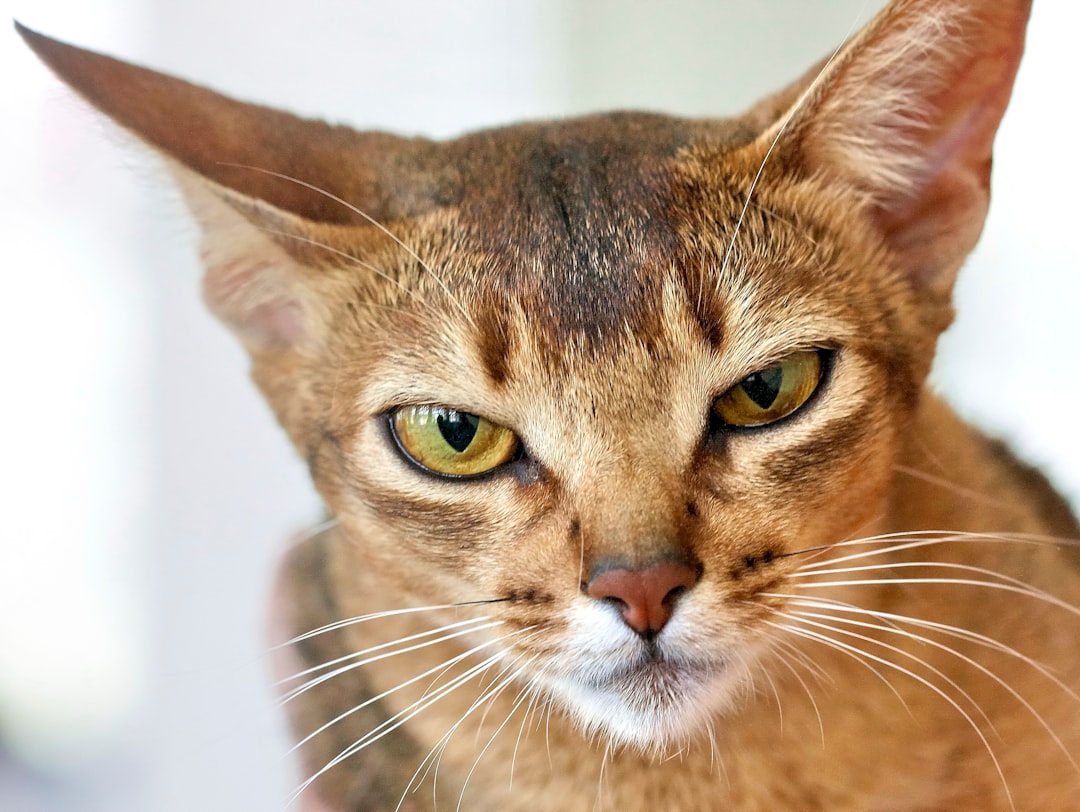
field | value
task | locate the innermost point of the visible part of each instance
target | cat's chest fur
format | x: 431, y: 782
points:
x: 638, y: 496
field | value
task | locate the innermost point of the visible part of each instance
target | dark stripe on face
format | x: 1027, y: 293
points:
x: 457, y: 525
x: 495, y: 343
x: 835, y: 445
x: 707, y: 310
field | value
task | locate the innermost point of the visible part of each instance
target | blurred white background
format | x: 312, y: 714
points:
x: 146, y: 492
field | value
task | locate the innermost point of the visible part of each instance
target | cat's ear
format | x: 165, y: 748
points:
x: 905, y: 115
x: 250, y: 174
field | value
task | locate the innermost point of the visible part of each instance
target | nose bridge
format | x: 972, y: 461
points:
x: 631, y: 519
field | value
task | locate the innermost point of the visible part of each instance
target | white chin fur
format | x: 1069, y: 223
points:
x: 648, y: 710
x: 604, y: 685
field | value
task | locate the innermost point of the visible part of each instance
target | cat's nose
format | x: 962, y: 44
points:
x: 645, y: 597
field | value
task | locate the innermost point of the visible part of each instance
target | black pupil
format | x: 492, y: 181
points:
x: 764, y: 387
x: 457, y: 428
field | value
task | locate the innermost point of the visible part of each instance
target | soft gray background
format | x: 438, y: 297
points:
x: 146, y: 491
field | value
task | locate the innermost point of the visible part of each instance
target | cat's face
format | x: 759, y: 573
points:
x: 607, y: 340
x: 608, y: 376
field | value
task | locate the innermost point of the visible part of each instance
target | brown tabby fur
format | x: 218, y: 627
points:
x: 595, y: 284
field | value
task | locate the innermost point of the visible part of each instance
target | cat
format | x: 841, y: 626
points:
x: 637, y: 495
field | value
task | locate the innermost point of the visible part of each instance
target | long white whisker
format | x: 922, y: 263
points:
x: 859, y: 659
x: 341, y: 624
x: 364, y: 652
x: 522, y: 695
x: 805, y: 660
x: 434, y: 756
x: 776, y: 694
x: 408, y: 713
x: 798, y: 678
x: 395, y: 721
x: 930, y: 564
x: 802, y: 617
x: 811, y: 634
x: 963, y: 657
x: 894, y: 542
x: 372, y: 700
x: 599, y: 803
x: 943, y: 628
x: 1026, y: 591
x: 367, y: 660
x: 534, y: 695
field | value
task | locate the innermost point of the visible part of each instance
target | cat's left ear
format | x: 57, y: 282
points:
x: 905, y: 115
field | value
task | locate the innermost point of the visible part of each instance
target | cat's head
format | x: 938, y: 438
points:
x: 610, y: 373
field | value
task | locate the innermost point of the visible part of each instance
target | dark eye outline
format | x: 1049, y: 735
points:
x: 826, y: 359
x: 389, y: 423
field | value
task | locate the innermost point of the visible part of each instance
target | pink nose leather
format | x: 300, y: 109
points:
x: 646, y: 598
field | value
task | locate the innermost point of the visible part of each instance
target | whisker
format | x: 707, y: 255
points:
x: 434, y: 756
x: 806, y: 94
x: 353, y: 260
x: 372, y: 700
x: 901, y: 565
x: 951, y: 487
x: 944, y: 628
x: 491, y: 697
x: 776, y: 694
x: 937, y: 672
x: 534, y: 695
x: 341, y: 624
x: 313, y: 531
x: 861, y: 661
x: 598, y: 804
x: 395, y: 721
x: 897, y: 542
x: 964, y: 658
x: 806, y: 688
x: 1023, y: 589
x: 805, y: 660
x: 406, y: 714
x: 810, y: 634
x: 714, y: 755
x: 433, y: 760
x: 330, y: 196
x: 884, y: 543
x: 307, y: 686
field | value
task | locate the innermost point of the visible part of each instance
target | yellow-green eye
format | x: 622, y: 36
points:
x: 772, y: 393
x: 450, y: 442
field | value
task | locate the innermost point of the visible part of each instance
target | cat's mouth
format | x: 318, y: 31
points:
x: 656, y: 678
x: 654, y: 672
x: 653, y: 701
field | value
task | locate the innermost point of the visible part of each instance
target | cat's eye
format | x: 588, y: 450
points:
x: 451, y: 442
x: 772, y: 393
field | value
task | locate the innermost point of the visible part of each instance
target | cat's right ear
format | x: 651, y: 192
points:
x: 265, y: 186
x: 904, y: 116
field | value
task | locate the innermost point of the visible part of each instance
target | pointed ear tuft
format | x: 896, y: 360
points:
x: 905, y: 115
